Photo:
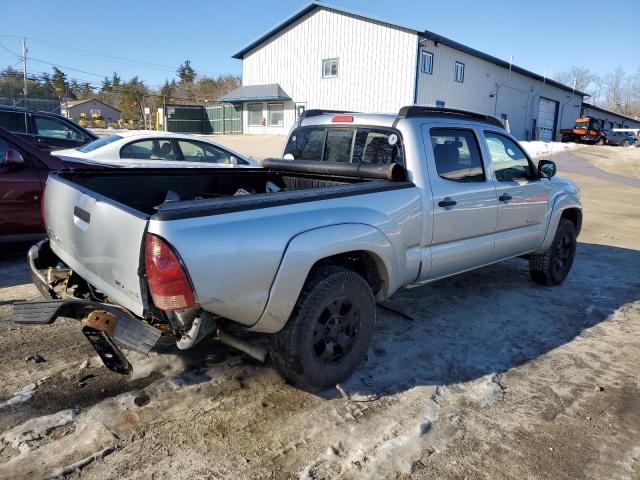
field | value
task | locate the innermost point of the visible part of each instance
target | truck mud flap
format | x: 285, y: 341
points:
x: 126, y: 329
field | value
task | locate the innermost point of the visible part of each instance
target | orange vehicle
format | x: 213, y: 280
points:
x: 586, y: 130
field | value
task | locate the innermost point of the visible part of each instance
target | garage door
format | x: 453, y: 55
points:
x: 546, y: 119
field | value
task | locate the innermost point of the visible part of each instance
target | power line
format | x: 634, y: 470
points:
x: 11, y: 52
x: 109, y: 56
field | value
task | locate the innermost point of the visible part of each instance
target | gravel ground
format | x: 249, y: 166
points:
x: 484, y: 375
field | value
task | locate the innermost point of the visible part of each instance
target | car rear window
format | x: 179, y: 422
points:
x: 101, y: 142
x: 339, y: 144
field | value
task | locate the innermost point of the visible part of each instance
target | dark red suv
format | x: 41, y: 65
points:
x: 23, y: 173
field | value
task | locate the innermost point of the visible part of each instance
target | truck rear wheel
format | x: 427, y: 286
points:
x: 601, y: 141
x: 329, y: 331
x: 553, y: 266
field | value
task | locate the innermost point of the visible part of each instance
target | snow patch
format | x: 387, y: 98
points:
x: 539, y: 148
x: 36, y: 428
x: 23, y: 395
x: 485, y: 391
x: 383, y: 446
x: 95, y: 431
x: 145, y: 365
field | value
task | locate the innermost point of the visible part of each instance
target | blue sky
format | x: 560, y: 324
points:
x: 157, y: 36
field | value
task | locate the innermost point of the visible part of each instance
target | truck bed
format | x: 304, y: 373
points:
x: 97, y: 221
x: 193, y: 192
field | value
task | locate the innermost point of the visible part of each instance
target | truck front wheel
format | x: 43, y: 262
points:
x: 552, y: 267
x: 329, y: 331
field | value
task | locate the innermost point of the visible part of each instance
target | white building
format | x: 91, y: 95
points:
x: 330, y: 58
x: 609, y: 119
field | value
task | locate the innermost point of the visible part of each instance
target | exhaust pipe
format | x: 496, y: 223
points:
x: 252, y: 349
x: 206, y: 325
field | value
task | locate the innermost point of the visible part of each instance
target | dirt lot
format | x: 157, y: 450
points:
x: 485, y: 375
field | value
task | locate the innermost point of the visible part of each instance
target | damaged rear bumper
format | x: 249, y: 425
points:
x: 128, y: 330
x: 102, y: 322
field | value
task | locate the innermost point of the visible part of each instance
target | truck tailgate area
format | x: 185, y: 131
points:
x: 99, y: 240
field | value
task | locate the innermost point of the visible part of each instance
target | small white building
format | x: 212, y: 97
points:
x: 330, y: 58
x: 609, y: 119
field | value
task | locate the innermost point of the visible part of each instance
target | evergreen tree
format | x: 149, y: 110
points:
x: 186, y: 73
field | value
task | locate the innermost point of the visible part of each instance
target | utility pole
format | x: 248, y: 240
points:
x: 24, y: 64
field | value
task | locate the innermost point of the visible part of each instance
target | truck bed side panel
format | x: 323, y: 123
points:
x: 232, y: 258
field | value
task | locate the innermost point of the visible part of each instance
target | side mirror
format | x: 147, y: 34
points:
x: 13, y: 158
x: 546, y: 168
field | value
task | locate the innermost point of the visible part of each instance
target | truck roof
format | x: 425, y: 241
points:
x: 322, y: 117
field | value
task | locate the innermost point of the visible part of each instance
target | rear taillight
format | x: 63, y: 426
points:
x: 168, y: 282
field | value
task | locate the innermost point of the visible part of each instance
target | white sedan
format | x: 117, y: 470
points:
x: 156, y: 149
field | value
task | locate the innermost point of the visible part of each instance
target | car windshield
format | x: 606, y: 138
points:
x: 101, y: 142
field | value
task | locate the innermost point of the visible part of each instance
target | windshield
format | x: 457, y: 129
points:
x: 101, y: 142
x: 578, y: 125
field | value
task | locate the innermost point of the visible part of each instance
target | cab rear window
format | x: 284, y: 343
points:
x: 349, y: 145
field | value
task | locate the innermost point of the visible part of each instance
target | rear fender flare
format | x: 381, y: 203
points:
x: 309, y: 247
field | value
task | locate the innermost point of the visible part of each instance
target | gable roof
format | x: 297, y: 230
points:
x: 422, y: 33
x: 73, y: 103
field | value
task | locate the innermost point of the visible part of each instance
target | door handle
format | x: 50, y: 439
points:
x: 505, y: 197
x: 447, y: 202
x: 82, y: 214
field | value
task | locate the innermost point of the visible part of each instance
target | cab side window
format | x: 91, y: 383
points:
x: 457, y: 155
x: 53, y: 128
x: 507, y: 158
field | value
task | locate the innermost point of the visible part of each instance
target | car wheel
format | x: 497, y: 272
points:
x: 624, y: 143
x: 329, y: 331
x: 553, y: 266
x: 601, y: 141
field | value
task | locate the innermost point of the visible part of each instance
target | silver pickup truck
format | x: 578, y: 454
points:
x: 289, y: 260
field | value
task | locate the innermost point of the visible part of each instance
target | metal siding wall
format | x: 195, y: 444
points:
x: 375, y: 72
x: 612, y: 117
x: 518, y: 97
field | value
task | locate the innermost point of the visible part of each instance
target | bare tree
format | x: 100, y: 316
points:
x: 578, y: 77
x: 615, y: 85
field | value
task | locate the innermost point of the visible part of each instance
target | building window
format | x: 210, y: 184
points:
x: 459, y: 73
x: 330, y: 68
x: 427, y: 62
x: 276, y: 114
x: 255, y: 114
x: 439, y: 103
